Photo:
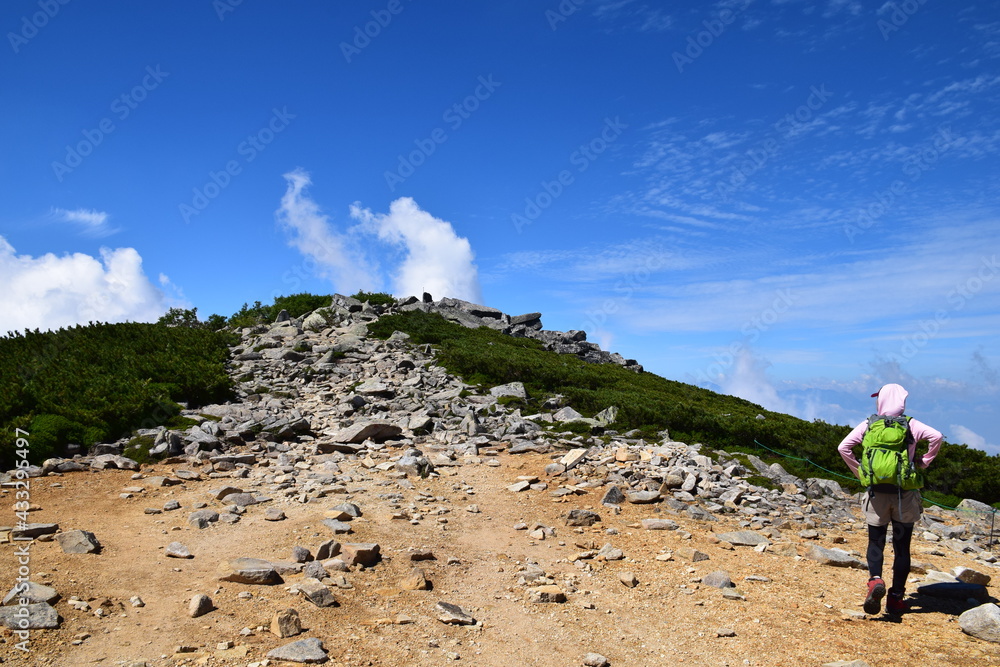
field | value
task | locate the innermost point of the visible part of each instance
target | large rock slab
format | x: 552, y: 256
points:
x: 30, y: 592
x: 833, y: 557
x: 743, y: 538
x: 38, y: 616
x: 376, y: 431
x: 255, y: 571
x: 307, y: 651
x: 78, y: 542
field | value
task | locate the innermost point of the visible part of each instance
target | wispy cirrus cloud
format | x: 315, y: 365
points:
x: 90, y: 222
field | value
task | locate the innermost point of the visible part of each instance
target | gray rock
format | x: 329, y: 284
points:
x: 376, y: 431
x: 113, y: 461
x: 249, y: 571
x: 969, y: 576
x: 628, y: 578
x: 317, y: 593
x: 834, y: 557
x: 743, y: 538
x: 717, y: 579
x: 78, y: 542
x: 308, y: 651
x: 200, y: 605
x: 982, y: 622
x: 514, y: 389
x: 177, y: 550
x: 365, y: 554
x: 659, y: 524
x: 546, y: 594
x: 274, y: 514
x: 595, y: 660
x: 30, y: 592
x: 286, y: 623
x: 613, y: 496
x: 37, y: 616
x: 582, y: 518
x: 607, y: 416
x: 203, y: 518
x: 452, y: 614
x: 642, y: 497
x: 34, y: 530
x: 567, y: 414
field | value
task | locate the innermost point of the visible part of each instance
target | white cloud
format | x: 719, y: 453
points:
x: 336, y: 257
x: 437, y: 260
x: 433, y: 257
x: 968, y: 437
x: 91, y: 222
x: 49, y: 292
x: 748, y: 380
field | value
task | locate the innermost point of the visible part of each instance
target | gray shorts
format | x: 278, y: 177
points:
x: 880, y: 508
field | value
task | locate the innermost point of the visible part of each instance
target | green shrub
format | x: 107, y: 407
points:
x: 651, y: 403
x: 96, y: 383
x: 375, y: 298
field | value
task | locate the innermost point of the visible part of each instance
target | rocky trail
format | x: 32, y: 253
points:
x: 358, y: 505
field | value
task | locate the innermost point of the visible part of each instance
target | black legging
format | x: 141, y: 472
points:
x: 901, y: 534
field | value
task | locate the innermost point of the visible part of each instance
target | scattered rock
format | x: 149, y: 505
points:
x: 452, y: 614
x: 982, y: 622
x: 200, y: 605
x: 177, y: 550
x: 78, y: 542
x: 249, y: 571
x: 308, y: 651
x: 286, y: 623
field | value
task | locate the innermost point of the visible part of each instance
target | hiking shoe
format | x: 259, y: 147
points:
x: 895, y: 604
x: 876, y: 591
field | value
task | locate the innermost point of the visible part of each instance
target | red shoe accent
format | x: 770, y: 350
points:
x: 873, y: 601
x: 896, y: 605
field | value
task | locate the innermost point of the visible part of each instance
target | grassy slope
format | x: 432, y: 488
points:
x: 691, y: 414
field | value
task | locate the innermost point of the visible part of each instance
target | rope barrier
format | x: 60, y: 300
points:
x: 993, y: 510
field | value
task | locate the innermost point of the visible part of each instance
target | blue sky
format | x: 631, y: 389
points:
x: 786, y: 200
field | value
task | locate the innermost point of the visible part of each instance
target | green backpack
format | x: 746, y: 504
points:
x: 885, y: 454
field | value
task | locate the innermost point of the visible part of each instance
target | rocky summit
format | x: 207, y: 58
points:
x: 358, y: 505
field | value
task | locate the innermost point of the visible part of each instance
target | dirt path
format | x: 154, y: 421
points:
x: 793, y: 611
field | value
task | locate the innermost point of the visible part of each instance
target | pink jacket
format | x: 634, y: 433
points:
x: 892, y: 402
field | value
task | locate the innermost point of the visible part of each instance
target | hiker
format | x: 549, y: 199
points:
x: 892, y: 498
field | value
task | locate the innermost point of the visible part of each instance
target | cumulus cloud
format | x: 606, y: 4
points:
x: 967, y: 436
x: 335, y: 256
x: 91, y: 223
x: 424, y: 253
x: 436, y: 259
x: 48, y: 292
x: 748, y: 380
